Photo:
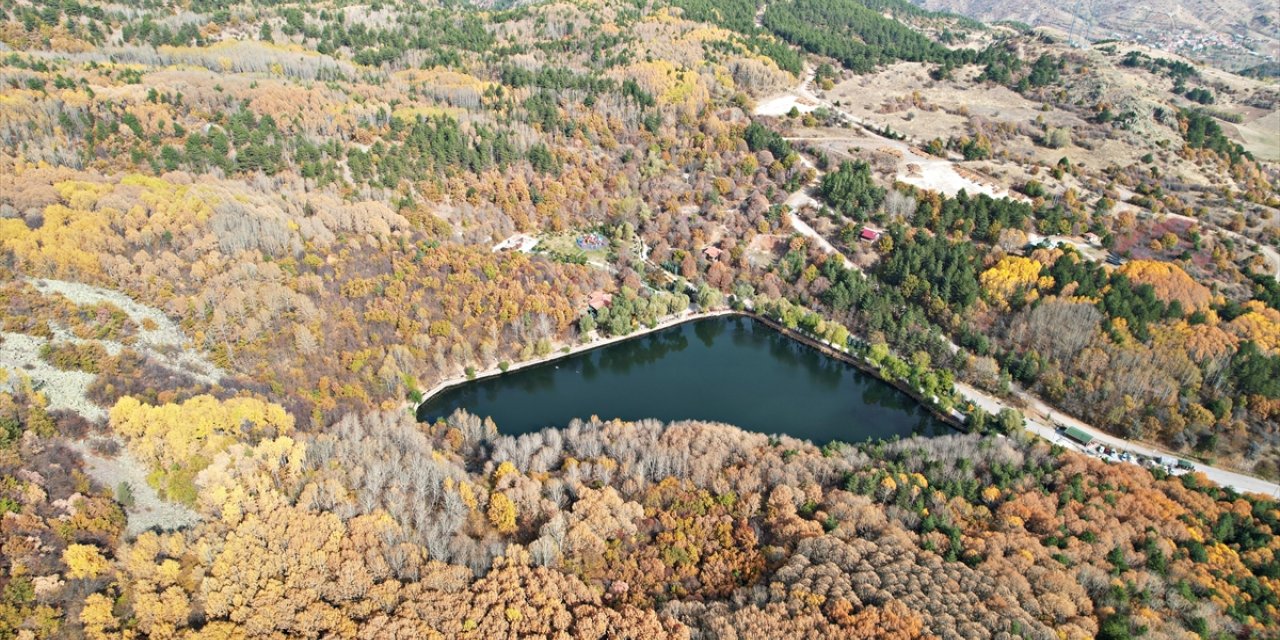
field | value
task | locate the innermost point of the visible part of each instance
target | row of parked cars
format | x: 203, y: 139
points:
x: 1109, y: 453
x: 1170, y: 464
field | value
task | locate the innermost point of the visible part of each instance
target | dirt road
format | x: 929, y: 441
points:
x: 940, y: 174
x: 918, y: 169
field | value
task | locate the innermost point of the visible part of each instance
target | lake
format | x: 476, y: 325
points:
x: 728, y: 369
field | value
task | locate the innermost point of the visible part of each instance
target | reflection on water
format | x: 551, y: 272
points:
x: 728, y: 369
x: 708, y: 331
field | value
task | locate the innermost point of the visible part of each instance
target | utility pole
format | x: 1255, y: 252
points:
x: 1075, y: 17
x: 1088, y: 20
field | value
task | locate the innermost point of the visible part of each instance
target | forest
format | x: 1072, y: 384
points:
x: 854, y: 33
x: 240, y: 241
x: 630, y: 530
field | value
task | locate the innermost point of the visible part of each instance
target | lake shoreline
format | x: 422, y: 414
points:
x: 830, y: 351
x: 827, y: 350
x: 570, y: 350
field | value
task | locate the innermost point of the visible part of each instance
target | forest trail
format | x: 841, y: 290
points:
x: 803, y: 228
x: 158, y: 336
x: 923, y: 170
x: 1272, y: 257
x: 801, y: 199
x: 148, y: 511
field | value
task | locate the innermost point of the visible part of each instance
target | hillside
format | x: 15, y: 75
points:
x: 240, y: 243
x: 1231, y: 34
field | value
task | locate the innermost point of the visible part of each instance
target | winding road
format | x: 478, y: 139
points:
x: 930, y: 172
x: 914, y: 167
x: 1040, y: 416
x: 1041, y: 419
x: 800, y: 200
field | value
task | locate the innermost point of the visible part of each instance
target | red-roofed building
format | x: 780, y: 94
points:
x: 870, y: 235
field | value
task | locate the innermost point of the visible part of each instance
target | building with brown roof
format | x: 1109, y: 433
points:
x: 599, y: 300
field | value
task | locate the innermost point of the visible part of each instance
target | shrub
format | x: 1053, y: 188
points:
x: 124, y: 495
x: 68, y: 356
x: 105, y: 447
x: 1057, y: 137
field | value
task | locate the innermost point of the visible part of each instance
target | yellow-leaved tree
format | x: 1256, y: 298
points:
x: 98, y: 617
x: 502, y: 512
x: 1170, y: 283
x: 178, y: 440
x: 1014, y: 276
x: 1259, y: 324
x: 84, y: 561
x: 505, y: 469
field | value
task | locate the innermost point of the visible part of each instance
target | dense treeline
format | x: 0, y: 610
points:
x: 979, y: 217
x: 1202, y: 131
x: 411, y: 145
x: 454, y: 529
x: 1051, y: 320
x: 1178, y: 70
x: 1004, y: 67
x: 851, y: 191
x: 740, y: 16
x: 930, y: 266
x: 859, y: 36
x: 760, y: 137
x: 1189, y: 358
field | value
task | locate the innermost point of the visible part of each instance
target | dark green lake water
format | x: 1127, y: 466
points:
x: 729, y: 369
